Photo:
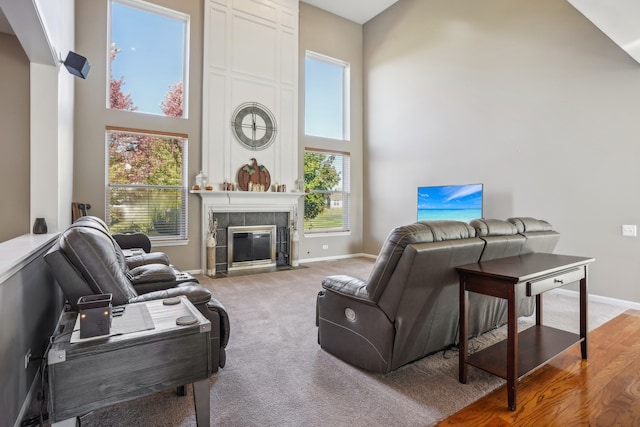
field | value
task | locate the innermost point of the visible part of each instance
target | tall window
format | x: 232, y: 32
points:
x: 147, y: 183
x: 148, y: 57
x: 326, y: 204
x: 326, y: 103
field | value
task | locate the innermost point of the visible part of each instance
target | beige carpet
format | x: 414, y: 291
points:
x: 277, y: 375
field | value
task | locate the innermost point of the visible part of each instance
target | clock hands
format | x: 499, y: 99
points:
x: 254, y: 126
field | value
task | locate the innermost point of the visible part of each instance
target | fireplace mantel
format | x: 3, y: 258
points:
x: 254, y: 200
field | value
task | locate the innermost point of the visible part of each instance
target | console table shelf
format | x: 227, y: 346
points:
x: 536, y: 345
x: 521, y: 352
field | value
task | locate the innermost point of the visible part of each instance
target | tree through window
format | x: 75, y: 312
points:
x: 326, y: 200
x: 146, y: 183
x: 147, y: 58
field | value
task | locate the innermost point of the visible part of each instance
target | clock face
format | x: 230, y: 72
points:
x: 254, y: 126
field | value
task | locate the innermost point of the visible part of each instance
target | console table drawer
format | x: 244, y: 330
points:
x: 536, y: 287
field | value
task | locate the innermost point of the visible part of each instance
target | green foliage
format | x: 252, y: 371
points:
x: 167, y: 221
x: 329, y: 219
x: 144, y: 159
x: 320, y: 174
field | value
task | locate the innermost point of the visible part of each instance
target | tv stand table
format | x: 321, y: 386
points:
x: 523, y: 352
x: 147, y: 352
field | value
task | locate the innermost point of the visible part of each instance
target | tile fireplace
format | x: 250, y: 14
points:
x: 252, y: 211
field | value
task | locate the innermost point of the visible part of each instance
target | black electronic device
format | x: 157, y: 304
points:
x: 95, y: 315
x: 77, y: 65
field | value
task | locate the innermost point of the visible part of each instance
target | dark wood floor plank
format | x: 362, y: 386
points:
x: 604, y: 390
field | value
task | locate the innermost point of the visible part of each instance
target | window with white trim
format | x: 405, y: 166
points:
x: 326, y: 200
x: 326, y: 97
x: 148, y: 58
x: 146, y: 183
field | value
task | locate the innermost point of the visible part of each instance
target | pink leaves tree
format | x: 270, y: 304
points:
x: 172, y: 103
x: 118, y: 100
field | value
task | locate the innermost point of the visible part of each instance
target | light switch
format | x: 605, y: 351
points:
x: 629, y: 230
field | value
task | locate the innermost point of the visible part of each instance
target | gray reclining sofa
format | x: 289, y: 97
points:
x: 408, y: 308
x: 87, y: 260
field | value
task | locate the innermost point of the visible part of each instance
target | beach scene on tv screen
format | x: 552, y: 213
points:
x: 450, y: 202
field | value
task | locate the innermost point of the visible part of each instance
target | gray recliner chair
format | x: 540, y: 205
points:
x: 87, y: 260
x: 408, y: 307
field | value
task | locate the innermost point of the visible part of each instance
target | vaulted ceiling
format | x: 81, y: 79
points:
x: 619, y: 20
x: 359, y: 11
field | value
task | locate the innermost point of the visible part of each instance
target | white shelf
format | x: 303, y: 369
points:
x: 248, y: 198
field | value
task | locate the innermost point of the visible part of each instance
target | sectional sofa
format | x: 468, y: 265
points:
x: 408, y: 307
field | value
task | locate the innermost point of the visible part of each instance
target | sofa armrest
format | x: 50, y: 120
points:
x: 151, y: 273
x: 133, y: 240
x: 347, y: 286
x: 145, y: 259
x: 193, y: 291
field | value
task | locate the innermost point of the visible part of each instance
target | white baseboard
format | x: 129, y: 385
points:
x: 333, y: 258
x: 600, y: 298
x: 312, y: 260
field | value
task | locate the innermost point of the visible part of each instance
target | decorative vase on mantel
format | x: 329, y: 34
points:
x: 211, y: 245
x: 211, y: 255
x: 40, y: 226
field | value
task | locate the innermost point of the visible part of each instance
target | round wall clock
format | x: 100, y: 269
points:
x: 254, y: 126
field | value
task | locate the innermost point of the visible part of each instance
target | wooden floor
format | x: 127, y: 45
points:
x: 601, y: 391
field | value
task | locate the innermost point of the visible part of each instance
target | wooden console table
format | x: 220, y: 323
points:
x: 146, y: 353
x: 505, y: 278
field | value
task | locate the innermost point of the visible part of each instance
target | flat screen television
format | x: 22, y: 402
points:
x: 450, y: 202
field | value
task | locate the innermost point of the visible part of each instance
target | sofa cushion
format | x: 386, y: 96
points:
x: 68, y: 277
x: 92, y: 253
x: 133, y: 240
x: 193, y: 291
x: 151, y: 273
x: 144, y: 259
x: 527, y: 224
x: 493, y: 227
x: 400, y: 237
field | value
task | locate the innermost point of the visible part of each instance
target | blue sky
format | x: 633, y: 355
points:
x: 323, y: 99
x: 450, y: 197
x: 151, y: 55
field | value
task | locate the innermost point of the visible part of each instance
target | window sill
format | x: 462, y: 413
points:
x: 165, y: 243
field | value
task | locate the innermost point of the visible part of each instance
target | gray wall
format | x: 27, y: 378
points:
x: 530, y: 99
x: 14, y: 145
x: 330, y: 35
x: 91, y: 117
x: 30, y: 303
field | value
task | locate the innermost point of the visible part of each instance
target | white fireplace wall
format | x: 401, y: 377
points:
x: 250, y: 55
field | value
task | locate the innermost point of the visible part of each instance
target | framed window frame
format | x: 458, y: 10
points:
x: 346, y: 97
x: 345, y: 193
x: 164, y: 12
x: 165, y: 240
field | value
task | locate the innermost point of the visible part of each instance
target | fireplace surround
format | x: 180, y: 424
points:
x: 244, y: 208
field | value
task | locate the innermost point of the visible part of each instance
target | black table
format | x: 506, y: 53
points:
x: 505, y: 278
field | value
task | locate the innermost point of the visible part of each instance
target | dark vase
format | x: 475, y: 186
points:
x: 40, y: 226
